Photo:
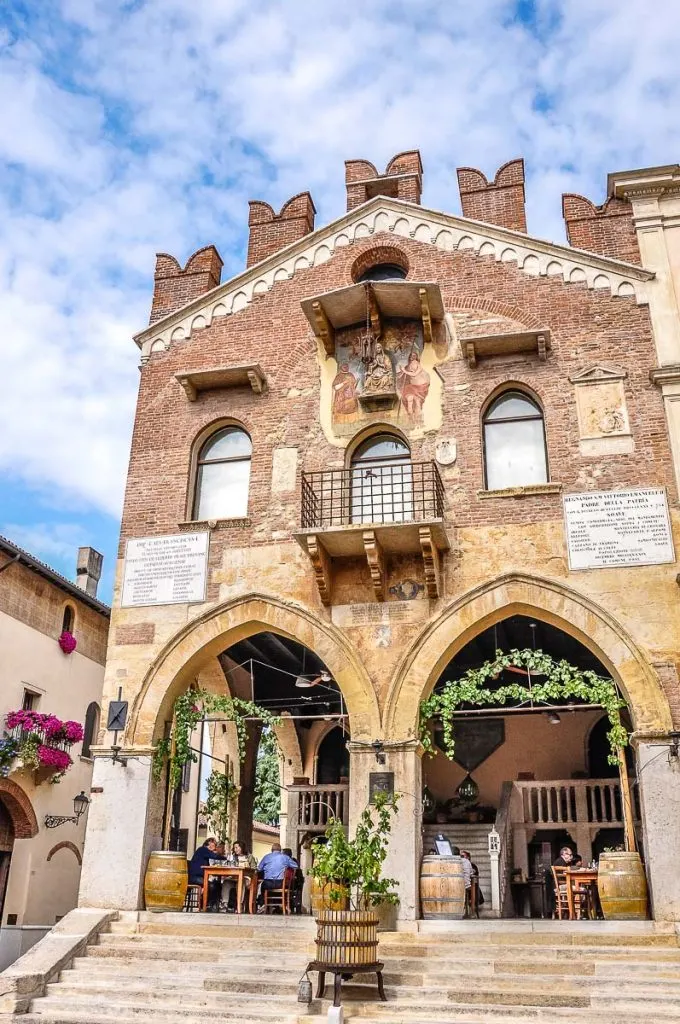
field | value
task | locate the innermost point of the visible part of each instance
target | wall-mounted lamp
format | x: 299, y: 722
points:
x: 554, y: 718
x: 379, y: 750
x: 80, y: 805
x: 674, y: 749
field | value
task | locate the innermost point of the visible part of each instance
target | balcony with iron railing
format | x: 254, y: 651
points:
x: 374, y: 511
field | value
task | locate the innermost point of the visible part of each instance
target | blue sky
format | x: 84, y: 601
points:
x: 128, y: 128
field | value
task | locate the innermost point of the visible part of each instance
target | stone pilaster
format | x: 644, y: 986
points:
x: 659, y: 776
x: 405, y: 849
x: 122, y: 829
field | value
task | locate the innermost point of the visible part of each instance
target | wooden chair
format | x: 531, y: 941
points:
x: 280, y: 897
x: 192, y: 900
x: 472, y: 898
x: 563, y: 899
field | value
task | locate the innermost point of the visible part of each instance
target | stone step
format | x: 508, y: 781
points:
x: 269, y: 1009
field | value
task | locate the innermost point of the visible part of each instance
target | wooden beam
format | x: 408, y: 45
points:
x: 376, y: 563
x: 431, y: 562
x: 374, y: 312
x: 323, y: 567
x: 470, y: 354
x: 425, y: 314
x: 323, y: 328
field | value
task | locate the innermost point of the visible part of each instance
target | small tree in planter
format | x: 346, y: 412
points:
x: 353, y: 868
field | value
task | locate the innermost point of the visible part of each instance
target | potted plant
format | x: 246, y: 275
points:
x: 353, y: 868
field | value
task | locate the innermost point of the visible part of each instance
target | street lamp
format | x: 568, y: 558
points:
x: 80, y: 805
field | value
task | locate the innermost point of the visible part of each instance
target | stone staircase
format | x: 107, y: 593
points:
x: 172, y: 968
x: 474, y: 838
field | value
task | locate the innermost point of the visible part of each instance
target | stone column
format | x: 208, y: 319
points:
x: 404, y: 760
x: 659, y: 776
x: 246, y: 796
x: 123, y: 826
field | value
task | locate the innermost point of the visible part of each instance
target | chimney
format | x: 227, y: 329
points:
x: 607, y: 229
x: 500, y: 202
x: 174, y: 287
x: 403, y: 179
x: 88, y: 570
x: 271, y: 231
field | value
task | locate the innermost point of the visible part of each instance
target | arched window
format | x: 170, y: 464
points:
x: 223, y: 475
x: 383, y: 272
x: 68, y: 619
x: 514, y: 442
x: 91, y: 728
x: 382, y: 480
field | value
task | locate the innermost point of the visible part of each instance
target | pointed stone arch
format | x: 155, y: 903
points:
x: 547, y: 600
x: 185, y: 654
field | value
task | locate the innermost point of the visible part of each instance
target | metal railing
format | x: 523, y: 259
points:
x: 372, y: 493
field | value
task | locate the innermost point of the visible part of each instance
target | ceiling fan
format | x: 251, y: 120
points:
x: 304, y: 682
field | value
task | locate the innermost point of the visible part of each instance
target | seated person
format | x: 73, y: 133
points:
x: 242, y: 859
x: 467, y: 866
x: 201, y: 859
x: 565, y: 860
x: 272, y: 869
x: 465, y: 854
x: 298, y: 884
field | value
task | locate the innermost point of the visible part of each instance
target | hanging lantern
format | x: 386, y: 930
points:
x: 468, y: 791
x: 304, y: 989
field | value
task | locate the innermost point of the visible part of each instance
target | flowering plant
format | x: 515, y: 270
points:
x: 39, y: 741
x: 67, y: 642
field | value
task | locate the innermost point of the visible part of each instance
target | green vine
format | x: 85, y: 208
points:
x: 190, y: 708
x: 559, y: 680
x: 221, y: 792
x: 354, y: 866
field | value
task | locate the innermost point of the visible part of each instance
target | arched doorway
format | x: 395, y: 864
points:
x: 332, y: 766
x: 6, y: 847
x: 522, y: 766
x: 17, y: 821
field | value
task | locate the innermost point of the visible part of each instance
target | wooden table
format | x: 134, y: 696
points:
x: 581, y: 879
x: 240, y: 874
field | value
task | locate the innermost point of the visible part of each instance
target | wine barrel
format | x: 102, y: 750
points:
x: 442, y: 888
x: 347, y: 937
x: 321, y: 897
x: 622, y: 887
x: 165, y: 882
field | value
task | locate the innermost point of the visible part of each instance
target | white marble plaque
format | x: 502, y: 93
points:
x: 379, y: 613
x: 165, y: 570
x: 610, y: 528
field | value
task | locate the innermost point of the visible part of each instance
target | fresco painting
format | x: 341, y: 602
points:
x: 395, y: 367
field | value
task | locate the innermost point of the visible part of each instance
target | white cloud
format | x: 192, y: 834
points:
x: 136, y: 127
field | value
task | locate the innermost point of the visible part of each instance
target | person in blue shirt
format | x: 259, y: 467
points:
x: 201, y: 858
x: 272, y: 868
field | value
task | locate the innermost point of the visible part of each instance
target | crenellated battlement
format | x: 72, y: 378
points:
x: 174, y: 286
x: 270, y: 231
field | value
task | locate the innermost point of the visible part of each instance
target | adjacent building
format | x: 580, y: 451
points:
x: 388, y: 447
x: 52, y: 651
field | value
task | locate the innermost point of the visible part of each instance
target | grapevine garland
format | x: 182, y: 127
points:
x: 190, y: 708
x: 560, y: 680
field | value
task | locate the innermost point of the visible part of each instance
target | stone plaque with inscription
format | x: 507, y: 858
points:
x: 618, y: 528
x: 380, y: 613
x: 165, y: 570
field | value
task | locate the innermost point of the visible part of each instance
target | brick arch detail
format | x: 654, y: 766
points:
x: 184, y: 655
x: 19, y: 808
x: 452, y: 303
x: 66, y: 845
x: 544, y: 599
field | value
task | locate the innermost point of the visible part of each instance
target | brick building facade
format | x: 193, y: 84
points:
x: 401, y: 323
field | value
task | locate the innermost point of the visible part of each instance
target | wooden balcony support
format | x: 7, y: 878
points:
x: 321, y: 564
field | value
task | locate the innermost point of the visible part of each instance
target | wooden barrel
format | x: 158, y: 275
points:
x: 347, y: 937
x: 165, y: 882
x: 622, y: 887
x: 321, y: 897
x: 442, y: 888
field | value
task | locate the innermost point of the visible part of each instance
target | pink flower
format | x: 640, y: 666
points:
x: 51, y: 757
x: 67, y: 642
x: 26, y: 720
x: 73, y: 732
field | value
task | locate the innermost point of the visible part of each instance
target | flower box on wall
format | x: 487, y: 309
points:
x: 39, y: 743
